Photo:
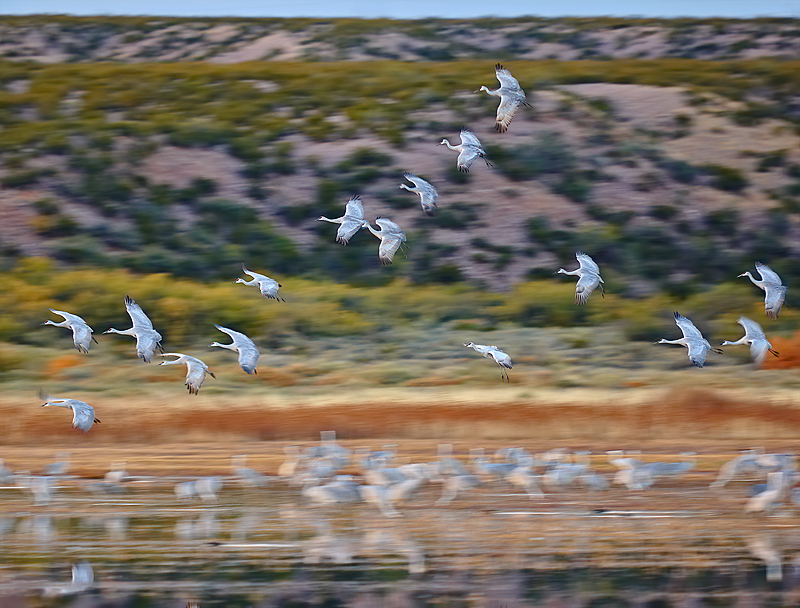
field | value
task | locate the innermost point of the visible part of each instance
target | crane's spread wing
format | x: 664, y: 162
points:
x: 505, y: 112
x: 255, y: 275
x: 466, y: 158
x: 269, y: 287
x: 354, y: 208
x: 587, y: 283
x: 69, y: 316
x: 758, y: 350
x: 507, y: 81
x: 690, y: 332
x: 774, y: 295
x: 81, y: 336
x: 146, y: 344
x: 390, y: 243
x: 137, y: 315
x: 389, y: 227
x: 427, y: 199
x: 195, y: 374
x: 501, y: 358
x: 752, y: 330
x: 697, y: 351
x: 767, y: 274
x: 587, y: 263
x: 469, y: 138
x: 82, y: 416
x: 348, y: 228
x: 248, y: 357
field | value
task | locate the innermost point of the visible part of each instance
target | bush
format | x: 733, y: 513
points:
x: 547, y: 154
x: 726, y: 178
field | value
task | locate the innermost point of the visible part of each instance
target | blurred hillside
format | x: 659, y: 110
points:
x: 674, y: 174
x: 56, y: 39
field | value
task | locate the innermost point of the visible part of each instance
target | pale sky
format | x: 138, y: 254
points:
x: 409, y: 9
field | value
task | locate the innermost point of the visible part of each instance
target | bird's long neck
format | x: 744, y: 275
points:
x: 754, y: 280
x: 570, y: 272
x: 742, y: 340
x: 377, y: 233
x: 332, y: 221
x: 496, y: 92
x: 409, y: 189
x: 124, y: 332
x: 681, y: 341
x: 449, y: 145
x: 62, y: 324
x: 230, y: 346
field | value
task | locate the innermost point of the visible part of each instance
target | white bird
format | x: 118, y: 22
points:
x: 147, y: 338
x: 248, y: 352
x: 469, y: 149
x: 81, y: 332
x: 196, y: 370
x: 427, y: 193
x: 511, y: 97
x: 755, y: 337
x: 766, y: 500
x: 82, y: 580
x: 391, y: 237
x: 246, y: 475
x: 774, y: 290
x: 496, y: 355
x: 82, y: 413
x: 588, y: 274
x: 692, y: 339
x: 269, y: 287
x: 351, y: 222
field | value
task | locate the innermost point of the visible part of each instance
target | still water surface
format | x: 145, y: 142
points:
x: 267, y: 547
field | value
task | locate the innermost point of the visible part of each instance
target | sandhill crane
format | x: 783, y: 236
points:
x: 692, y: 339
x: 81, y: 332
x: 147, y: 338
x: 196, y: 370
x: 511, y: 97
x: 269, y: 287
x: 524, y: 477
x: 427, y: 193
x: 766, y: 500
x: 455, y: 484
x: 82, y: 413
x: 248, y: 352
x: 755, y: 337
x: 496, y: 355
x: 59, y: 466
x: 246, y: 475
x: 6, y: 474
x: 469, y: 149
x: 774, y: 290
x: 82, y: 580
x: 117, y: 474
x: 391, y: 237
x: 588, y: 274
x: 351, y: 222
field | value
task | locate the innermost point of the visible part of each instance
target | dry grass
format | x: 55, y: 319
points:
x: 446, y: 414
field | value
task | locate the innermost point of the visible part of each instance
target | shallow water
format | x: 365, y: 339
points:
x: 489, y: 548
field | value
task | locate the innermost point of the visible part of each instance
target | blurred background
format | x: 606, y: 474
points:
x: 151, y: 156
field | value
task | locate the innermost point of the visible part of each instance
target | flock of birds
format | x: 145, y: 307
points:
x: 391, y: 237
x: 330, y: 474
